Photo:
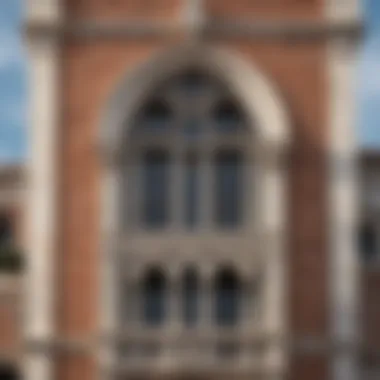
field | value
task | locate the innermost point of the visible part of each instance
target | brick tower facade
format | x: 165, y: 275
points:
x: 289, y: 65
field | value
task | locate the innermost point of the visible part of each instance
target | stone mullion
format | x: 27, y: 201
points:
x: 173, y: 321
x: 274, y: 278
x: 206, y: 323
x: 132, y: 288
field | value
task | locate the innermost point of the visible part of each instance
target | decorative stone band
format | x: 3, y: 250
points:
x: 305, y: 344
x: 224, y: 369
x: 213, y: 29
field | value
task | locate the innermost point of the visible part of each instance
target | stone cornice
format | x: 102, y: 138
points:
x: 301, y: 344
x: 246, y: 29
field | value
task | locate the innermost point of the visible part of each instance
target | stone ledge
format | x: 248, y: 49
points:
x: 295, y: 29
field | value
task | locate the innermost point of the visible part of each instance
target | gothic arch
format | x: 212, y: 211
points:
x: 256, y: 93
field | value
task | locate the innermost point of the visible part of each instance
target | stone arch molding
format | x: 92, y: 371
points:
x: 257, y: 94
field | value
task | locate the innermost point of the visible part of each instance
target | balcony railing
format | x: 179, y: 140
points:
x: 198, y: 351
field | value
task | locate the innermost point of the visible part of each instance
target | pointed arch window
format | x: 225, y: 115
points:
x: 184, y: 150
x: 190, y: 297
x: 227, y: 116
x: 227, y: 298
x: 154, y: 297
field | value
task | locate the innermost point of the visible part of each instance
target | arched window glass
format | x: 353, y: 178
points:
x: 227, y: 116
x: 154, y: 298
x: 155, y: 117
x: 367, y: 242
x: 155, y: 188
x: 227, y: 298
x: 192, y: 190
x: 190, y: 297
x: 189, y: 112
x: 228, y: 188
x: 6, y: 233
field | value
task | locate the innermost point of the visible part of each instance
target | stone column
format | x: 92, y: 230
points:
x: 344, y: 265
x: 344, y: 268
x: 43, y: 175
x: 206, y: 309
x: 275, y: 267
x: 172, y: 326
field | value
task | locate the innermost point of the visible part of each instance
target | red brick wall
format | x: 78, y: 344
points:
x: 122, y: 9
x: 167, y: 9
x: 266, y: 9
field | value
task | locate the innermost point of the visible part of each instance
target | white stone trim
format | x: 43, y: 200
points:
x: 255, y: 29
x: 44, y: 11
x: 108, y: 307
x: 193, y: 16
x: 344, y: 263
x: 275, y: 284
x: 338, y: 11
x: 42, y: 201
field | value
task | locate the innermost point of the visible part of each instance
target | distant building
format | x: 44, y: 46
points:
x: 12, y: 249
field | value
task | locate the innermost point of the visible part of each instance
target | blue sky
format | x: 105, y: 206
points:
x: 13, y: 88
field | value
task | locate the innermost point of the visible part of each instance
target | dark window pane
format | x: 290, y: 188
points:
x: 228, y: 188
x: 8, y: 373
x: 191, y: 191
x: 155, y: 116
x: 156, y: 188
x: 190, y: 298
x: 367, y: 242
x: 154, y: 298
x: 227, y: 117
x: 227, y: 298
x: 6, y: 233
